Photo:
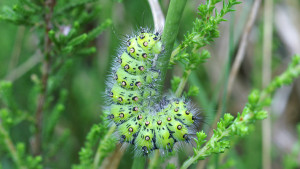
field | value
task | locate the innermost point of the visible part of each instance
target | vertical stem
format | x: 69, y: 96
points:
x: 174, y: 14
x: 49, y: 6
x: 158, y: 16
x: 243, y: 44
x: 138, y: 163
x: 154, y: 160
x: 182, y: 83
x: 98, y: 156
x: 266, y: 78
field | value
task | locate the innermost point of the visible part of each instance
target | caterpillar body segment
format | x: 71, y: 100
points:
x: 181, y: 112
x: 129, y: 81
x: 133, y: 82
x: 164, y: 139
x: 133, y: 66
x: 146, y: 139
x: 178, y: 130
x: 120, y: 95
x: 129, y: 129
x: 120, y: 113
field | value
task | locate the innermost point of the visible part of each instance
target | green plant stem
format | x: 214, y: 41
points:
x: 37, y: 146
x: 174, y: 53
x: 182, y: 83
x: 138, y: 163
x: 98, y: 155
x: 154, y: 160
x: 11, y: 148
x: 174, y: 14
x: 271, y: 89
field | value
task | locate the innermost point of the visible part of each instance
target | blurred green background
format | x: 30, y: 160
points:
x: 85, y: 79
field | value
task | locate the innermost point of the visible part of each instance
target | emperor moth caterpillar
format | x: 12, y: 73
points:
x: 141, y: 120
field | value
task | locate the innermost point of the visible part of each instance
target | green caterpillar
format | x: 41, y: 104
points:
x: 141, y: 120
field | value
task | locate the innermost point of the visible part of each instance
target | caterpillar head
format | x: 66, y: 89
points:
x: 144, y: 45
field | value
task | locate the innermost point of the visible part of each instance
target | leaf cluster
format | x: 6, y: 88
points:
x: 205, y: 30
x: 96, y: 139
x: 228, y: 126
x: 25, y: 12
x: 10, y: 117
x: 61, y: 27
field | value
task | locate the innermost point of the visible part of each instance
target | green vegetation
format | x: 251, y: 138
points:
x: 54, y: 60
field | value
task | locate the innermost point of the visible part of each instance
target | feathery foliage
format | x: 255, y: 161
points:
x: 61, y: 41
x: 35, y: 124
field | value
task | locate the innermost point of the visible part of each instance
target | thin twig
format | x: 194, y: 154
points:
x: 182, y: 83
x: 205, y: 148
x: 49, y: 5
x: 158, y: 19
x: 25, y: 67
x: 266, y: 78
x: 158, y: 16
x: 243, y: 45
x: 17, y: 48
